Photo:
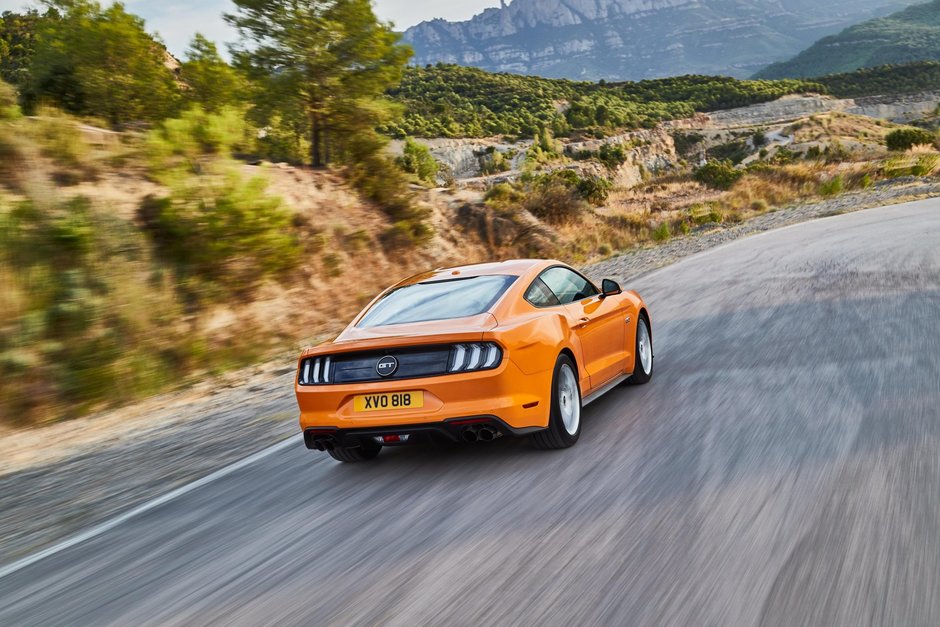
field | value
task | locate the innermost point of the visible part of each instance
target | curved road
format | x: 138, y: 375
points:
x: 783, y: 468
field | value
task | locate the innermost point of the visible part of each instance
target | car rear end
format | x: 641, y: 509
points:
x: 395, y: 391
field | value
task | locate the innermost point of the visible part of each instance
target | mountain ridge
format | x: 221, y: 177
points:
x: 635, y: 39
x: 910, y: 35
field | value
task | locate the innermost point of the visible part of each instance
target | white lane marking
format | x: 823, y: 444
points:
x: 141, y: 509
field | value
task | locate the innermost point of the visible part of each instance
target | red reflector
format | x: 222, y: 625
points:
x: 389, y: 439
x: 530, y: 405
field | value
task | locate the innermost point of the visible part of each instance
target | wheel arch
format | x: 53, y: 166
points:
x: 579, y: 368
x: 645, y: 314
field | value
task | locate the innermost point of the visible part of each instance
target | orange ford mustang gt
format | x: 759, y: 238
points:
x: 473, y: 353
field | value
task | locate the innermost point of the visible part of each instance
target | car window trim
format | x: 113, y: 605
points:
x: 560, y: 304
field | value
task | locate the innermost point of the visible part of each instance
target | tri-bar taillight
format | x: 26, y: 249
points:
x: 475, y: 356
x: 315, y: 371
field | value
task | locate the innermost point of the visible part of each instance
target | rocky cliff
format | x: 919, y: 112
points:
x: 635, y: 39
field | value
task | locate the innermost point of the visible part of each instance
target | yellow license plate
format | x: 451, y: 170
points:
x: 386, y: 402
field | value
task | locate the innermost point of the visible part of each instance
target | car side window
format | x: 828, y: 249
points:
x: 539, y: 295
x: 567, y: 285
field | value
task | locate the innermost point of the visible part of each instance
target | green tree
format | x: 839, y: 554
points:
x: 417, y: 159
x: 330, y: 61
x: 210, y: 82
x: 17, y: 42
x: 101, y: 62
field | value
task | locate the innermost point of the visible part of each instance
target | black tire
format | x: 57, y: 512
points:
x: 366, y: 451
x: 556, y: 436
x: 641, y: 376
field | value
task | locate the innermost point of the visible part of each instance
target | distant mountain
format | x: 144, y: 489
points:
x: 904, y: 37
x: 637, y: 39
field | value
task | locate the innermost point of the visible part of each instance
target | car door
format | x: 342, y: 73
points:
x: 599, y: 323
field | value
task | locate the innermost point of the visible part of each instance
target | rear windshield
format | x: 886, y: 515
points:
x: 438, y: 300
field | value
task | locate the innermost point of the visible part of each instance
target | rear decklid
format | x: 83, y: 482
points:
x: 469, y: 329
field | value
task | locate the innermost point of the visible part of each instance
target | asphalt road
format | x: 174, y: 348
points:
x: 783, y: 468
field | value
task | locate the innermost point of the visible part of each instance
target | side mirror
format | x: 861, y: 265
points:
x: 610, y: 288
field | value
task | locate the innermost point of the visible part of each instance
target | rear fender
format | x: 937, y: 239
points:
x: 534, y: 344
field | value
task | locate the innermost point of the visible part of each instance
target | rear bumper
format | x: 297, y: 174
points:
x: 515, y: 399
x: 321, y: 438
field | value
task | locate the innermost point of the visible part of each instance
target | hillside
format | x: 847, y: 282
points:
x: 636, y: 39
x: 884, y: 80
x: 912, y: 34
x: 451, y: 101
x: 455, y: 101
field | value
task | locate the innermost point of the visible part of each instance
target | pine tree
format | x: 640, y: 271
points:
x: 327, y: 65
x: 210, y: 82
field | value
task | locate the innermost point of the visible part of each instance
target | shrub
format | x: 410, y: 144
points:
x: 661, y: 233
x: 494, y: 161
x: 612, y: 155
x: 504, y: 196
x: 555, y: 202
x: 594, y: 189
x: 222, y: 230
x: 9, y: 109
x: 718, y: 174
x: 545, y: 147
x: 832, y: 187
x: 85, y: 321
x: 416, y: 159
x: 705, y: 214
x: 784, y: 156
x: 906, y: 138
x: 188, y: 141
x: 406, y: 234
x: 380, y: 180
x: 61, y: 141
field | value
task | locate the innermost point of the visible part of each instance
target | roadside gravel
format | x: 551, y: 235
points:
x: 57, y: 480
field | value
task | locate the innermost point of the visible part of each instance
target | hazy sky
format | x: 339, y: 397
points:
x: 178, y: 20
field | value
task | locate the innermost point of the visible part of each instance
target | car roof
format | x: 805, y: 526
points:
x: 511, y: 267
